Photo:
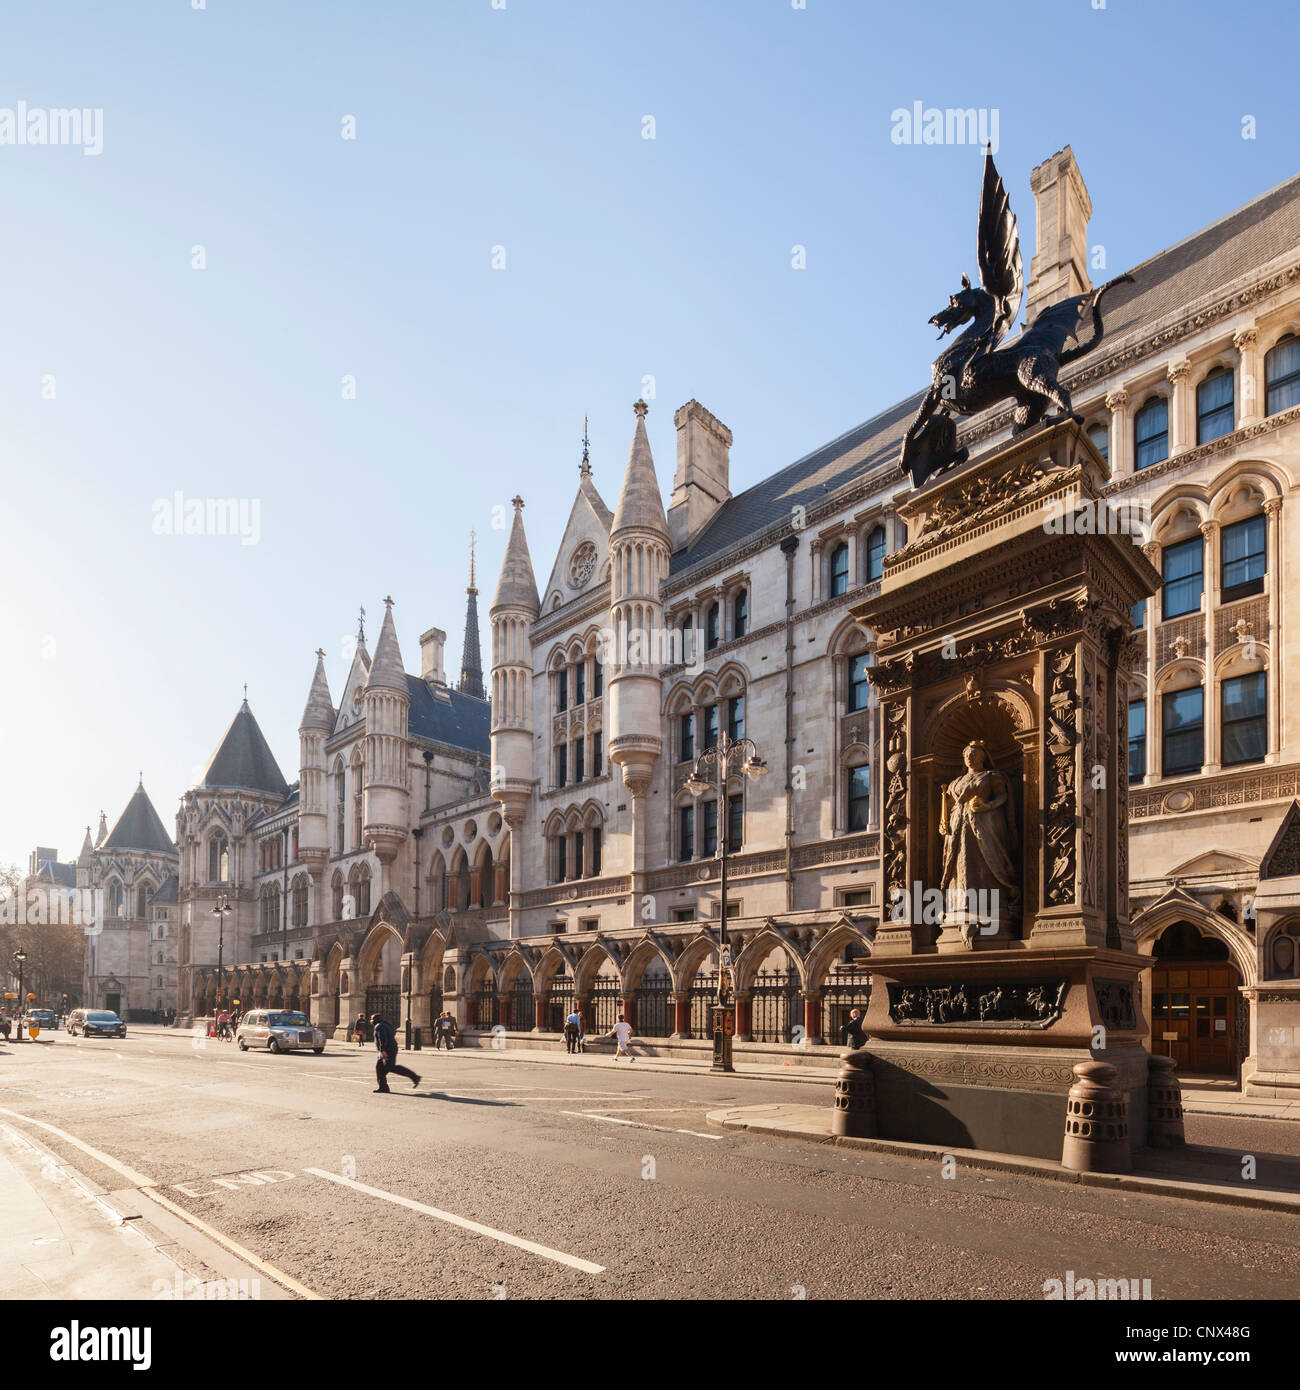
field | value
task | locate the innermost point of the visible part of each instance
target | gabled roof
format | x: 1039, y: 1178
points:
x: 139, y: 827
x: 57, y: 872
x: 244, y: 759
x: 168, y: 890
x: 460, y: 720
x: 1202, y: 264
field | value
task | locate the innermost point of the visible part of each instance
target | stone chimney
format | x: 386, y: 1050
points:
x: 1063, y: 207
x: 431, y: 645
x: 702, y: 482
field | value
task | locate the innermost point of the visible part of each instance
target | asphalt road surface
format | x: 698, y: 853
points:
x: 505, y: 1179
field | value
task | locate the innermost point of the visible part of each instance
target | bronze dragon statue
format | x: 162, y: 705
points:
x: 974, y: 373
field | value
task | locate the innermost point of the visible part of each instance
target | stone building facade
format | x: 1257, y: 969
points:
x: 569, y: 862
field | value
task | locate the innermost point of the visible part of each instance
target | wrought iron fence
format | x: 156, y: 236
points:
x: 606, y: 1004
x: 654, y: 1008
x: 838, y: 999
x: 774, y: 1005
x: 483, y: 1008
x: 704, y: 994
x: 559, y: 1004
x: 385, y: 1000
x: 523, y: 1011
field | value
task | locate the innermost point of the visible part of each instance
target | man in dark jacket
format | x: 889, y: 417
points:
x: 853, y: 1032
x: 386, y: 1044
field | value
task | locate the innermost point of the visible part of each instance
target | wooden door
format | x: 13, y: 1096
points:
x: 1193, y: 1016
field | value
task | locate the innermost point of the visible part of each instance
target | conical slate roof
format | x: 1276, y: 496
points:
x: 244, y: 759
x: 640, y: 506
x: 138, y: 827
x: 517, y: 586
x: 319, y: 713
x: 387, y: 671
x: 103, y: 830
x: 86, y: 849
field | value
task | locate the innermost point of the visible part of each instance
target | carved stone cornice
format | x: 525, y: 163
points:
x: 1222, y: 445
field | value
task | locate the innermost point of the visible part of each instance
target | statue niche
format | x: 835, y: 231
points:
x: 980, y: 875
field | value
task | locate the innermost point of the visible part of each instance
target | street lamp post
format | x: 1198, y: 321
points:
x: 221, y: 912
x: 19, y: 960
x: 713, y: 769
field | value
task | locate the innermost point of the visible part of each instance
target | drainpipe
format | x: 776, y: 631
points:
x: 788, y: 547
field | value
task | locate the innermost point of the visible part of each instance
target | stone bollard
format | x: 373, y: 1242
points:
x: 1164, y: 1104
x: 1096, y: 1122
x: 854, y: 1116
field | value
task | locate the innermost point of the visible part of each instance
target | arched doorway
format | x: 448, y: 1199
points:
x: 1196, y: 1008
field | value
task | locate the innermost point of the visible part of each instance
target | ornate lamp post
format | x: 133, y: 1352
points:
x: 221, y: 912
x: 712, y: 770
x: 18, y: 961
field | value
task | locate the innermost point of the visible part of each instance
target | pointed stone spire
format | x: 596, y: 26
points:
x: 517, y: 586
x: 471, y: 659
x: 103, y: 830
x: 387, y: 670
x: 319, y: 713
x: 87, y: 849
x: 640, y: 505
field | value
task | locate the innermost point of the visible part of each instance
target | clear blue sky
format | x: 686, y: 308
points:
x: 625, y: 257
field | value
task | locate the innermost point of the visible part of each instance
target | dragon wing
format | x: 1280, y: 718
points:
x: 1001, y: 271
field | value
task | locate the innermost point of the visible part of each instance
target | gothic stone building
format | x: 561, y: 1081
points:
x: 583, y: 870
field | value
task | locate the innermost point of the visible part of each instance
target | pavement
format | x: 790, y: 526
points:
x: 1195, y: 1173
x: 515, y: 1175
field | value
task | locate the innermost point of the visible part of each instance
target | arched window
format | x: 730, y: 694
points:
x: 1286, y: 953
x: 1100, y: 436
x: 859, y: 685
x: 1214, y: 406
x: 858, y: 797
x: 876, y: 554
x: 300, y: 901
x: 711, y: 628
x: 218, y: 859
x: 840, y: 569
x: 1282, y: 375
x: 1243, y: 558
x: 362, y: 891
x: 336, y: 894
x: 142, y: 900
x: 1151, y: 433
x: 688, y: 641
x: 340, y: 807
x: 740, y: 614
x: 358, y: 803
x: 113, y: 898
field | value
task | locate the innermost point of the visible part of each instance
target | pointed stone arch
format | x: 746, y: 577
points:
x: 700, y: 950
x: 757, y: 949
x: 588, y: 966
x: 1178, y: 906
x: 381, y: 933
x: 509, y: 970
x: 548, y: 964
x: 821, y: 957
x: 640, y: 956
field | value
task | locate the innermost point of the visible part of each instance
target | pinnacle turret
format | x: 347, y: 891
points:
x: 471, y: 657
x: 517, y: 586
x: 640, y: 505
x: 319, y: 712
x: 387, y: 671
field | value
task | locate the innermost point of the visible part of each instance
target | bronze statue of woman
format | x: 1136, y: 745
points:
x: 980, y: 877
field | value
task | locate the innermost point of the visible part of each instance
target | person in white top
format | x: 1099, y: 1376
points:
x: 621, y: 1032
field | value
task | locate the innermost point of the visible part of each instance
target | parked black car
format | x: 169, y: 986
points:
x: 95, y: 1023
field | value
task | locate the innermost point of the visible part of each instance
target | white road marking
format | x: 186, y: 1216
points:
x: 146, y: 1185
x: 543, y: 1250
x: 639, y: 1124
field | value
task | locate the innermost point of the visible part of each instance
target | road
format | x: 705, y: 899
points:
x: 506, y: 1179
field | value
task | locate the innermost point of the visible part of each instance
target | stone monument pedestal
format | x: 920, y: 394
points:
x: 1004, y: 957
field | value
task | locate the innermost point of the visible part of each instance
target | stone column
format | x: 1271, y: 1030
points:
x: 539, y: 1008
x: 1210, y: 531
x: 1250, y: 406
x: 744, y: 1017
x: 812, y: 1018
x: 503, y: 1010
x: 1273, y: 588
x: 681, y: 1015
x: 1121, y: 434
x: 500, y: 886
x: 1182, y: 430
x: 815, y: 559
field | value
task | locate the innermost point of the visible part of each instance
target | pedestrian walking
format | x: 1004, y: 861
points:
x: 621, y: 1032
x: 572, y: 1031
x: 386, y: 1043
x: 359, y: 1030
x: 444, y: 1031
x: 853, y: 1033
